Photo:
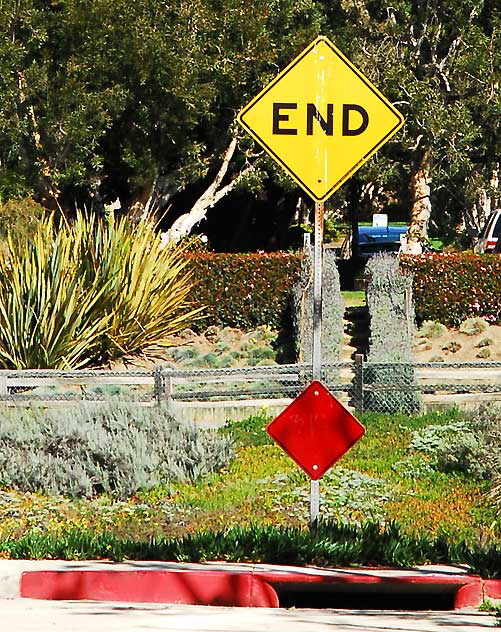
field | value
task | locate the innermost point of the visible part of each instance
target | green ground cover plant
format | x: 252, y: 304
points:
x: 473, y: 326
x: 329, y: 544
x: 471, y: 445
x: 431, y: 329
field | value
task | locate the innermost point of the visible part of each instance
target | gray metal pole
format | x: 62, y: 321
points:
x: 317, y: 290
x: 317, y: 333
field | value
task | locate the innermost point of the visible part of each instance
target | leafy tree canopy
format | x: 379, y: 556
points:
x: 100, y: 97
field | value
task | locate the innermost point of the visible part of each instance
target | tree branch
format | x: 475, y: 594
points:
x: 184, y: 224
x: 50, y: 190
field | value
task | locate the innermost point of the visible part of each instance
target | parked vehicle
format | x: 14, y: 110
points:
x: 373, y: 240
x: 490, y: 234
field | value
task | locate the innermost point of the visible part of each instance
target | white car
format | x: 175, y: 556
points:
x: 489, y: 234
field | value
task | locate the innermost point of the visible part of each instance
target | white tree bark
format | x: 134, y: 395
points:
x: 421, y: 206
x: 49, y: 190
x: 184, y: 224
x: 475, y: 217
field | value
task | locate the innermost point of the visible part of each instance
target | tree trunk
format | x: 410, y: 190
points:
x: 48, y: 191
x: 183, y: 225
x: 475, y: 217
x: 421, y: 205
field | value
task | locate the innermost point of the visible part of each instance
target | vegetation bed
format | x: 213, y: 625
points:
x: 394, y: 499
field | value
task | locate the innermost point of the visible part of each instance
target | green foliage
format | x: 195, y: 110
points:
x: 355, y: 298
x: 391, y: 338
x: 451, y: 447
x: 484, y: 353
x: 391, y: 326
x: 399, y: 43
x: 485, y: 342
x: 81, y: 90
x: 453, y: 287
x: 50, y: 316
x: 225, y: 347
x: 147, y: 300
x: 473, y: 326
x: 495, y: 494
x: 244, y: 290
x: 88, y: 292
x: 405, y: 488
x: 20, y: 218
x: 432, y: 329
x: 115, y: 448
x: 345, y: 496
x: 250, y: 431
x: 261, y: 356
x: 330, y: 544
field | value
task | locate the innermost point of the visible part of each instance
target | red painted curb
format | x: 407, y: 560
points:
x: 251, y: 588
x: 469, y: 595
x: 210, y: 588
x: 492, y: 588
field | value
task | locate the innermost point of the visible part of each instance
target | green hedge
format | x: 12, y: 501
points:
x: 244, y: 290
x: 451, y: 287
x: 248, y: 290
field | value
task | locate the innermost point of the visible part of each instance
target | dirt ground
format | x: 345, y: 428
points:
x: 231, y: 347
x: 455, y: 346
x: 216, y: 347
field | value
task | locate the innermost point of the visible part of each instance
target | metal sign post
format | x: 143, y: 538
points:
x: 320, y: 119
x: 317, y: 333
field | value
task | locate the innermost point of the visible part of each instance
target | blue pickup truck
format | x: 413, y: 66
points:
x: 373, y: 240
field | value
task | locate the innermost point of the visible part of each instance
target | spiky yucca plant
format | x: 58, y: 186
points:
x: 88, y: 292
x: 148, y: 284
x: 50, y: 315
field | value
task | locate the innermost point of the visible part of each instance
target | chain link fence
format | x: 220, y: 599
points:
x: 163, y: 384
x: 362, y: 386
x: 411, y: 387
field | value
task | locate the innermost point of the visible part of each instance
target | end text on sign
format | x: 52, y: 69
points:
x: 354, y: 119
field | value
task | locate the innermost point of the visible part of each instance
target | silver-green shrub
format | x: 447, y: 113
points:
x: 116, y: 448
x: 332, y: 310
x: 471, y: 445
x: 345, y: 495
x: 389, y: 299
x: 432, y: 329
x: 473, y: 326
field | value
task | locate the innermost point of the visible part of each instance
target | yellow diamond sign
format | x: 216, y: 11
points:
x: 320, y: 119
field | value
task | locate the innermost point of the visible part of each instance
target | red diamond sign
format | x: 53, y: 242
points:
x: 315, y: 430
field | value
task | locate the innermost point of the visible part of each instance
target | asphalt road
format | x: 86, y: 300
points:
x: 28, y: 615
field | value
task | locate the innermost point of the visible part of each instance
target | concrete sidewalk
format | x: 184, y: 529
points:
x: 245, y: 585
x: 26, y: 615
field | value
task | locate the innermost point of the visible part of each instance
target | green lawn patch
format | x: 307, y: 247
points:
x: 355, y: 298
